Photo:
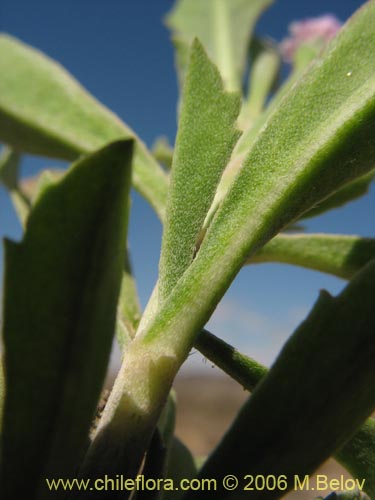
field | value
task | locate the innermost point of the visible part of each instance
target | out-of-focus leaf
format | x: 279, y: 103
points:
x: 358, y: 456
x: 2, y: 396
x: 45, y: 111
x: 153, y: 469
x: 163, y: 151
x: 223, y: 26
x: 346, y: 194
x: 61, y: 288
x: 9, y: 174
x: 340, y: 255
x: 9, y: 169
x: 34, y: 187
x: 129, y: 307
x: 180, y: 465
x: 317, y: 393
x: 205, y: 139
x: 263, y: 74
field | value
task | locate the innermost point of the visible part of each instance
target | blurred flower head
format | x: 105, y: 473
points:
x: 315, y: 30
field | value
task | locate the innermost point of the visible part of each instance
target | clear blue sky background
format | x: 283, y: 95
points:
x: 120, y: 51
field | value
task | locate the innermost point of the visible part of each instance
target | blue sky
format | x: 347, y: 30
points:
x: 120, y: 51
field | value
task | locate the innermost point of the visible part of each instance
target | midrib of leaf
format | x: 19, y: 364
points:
x: 223, y: 41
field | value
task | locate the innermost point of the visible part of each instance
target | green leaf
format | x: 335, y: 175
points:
x: 163, y: 151
x: 61, y: 288
x: 129, y: 307
x: 205, y: 139
x: 325, y: 120
x: 9, y: 169
x: 358, y: 456
x: 2, y: 397
x: 45, y: 111
x: 346, y: 194
x: 224, y: 28
x: 340, y: 255
x: 321, y: 386
x: 9, y: 174
x: 180, y: 466
x: 263, y: 75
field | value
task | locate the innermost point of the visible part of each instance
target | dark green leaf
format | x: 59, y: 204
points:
x: 346, y: 194
x: 61, y: 289
x: 9, y: 169
x: 180, y: 466
x: 315, y: 396
x: 358, y: 456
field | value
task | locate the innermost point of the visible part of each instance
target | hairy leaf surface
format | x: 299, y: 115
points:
x: 205, y: 139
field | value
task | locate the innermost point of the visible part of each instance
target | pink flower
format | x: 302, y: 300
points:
x: 313, y: 30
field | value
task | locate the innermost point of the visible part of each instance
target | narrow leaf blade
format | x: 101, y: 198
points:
x: 339, y: 255
x: 205, y: 139
x: 61, y: 289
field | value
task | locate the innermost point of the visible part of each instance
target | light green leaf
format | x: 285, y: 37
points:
x: 61, y: 288
x: 205, y: 139
x: 45, y: 111
x: 263, y: 75
x: 163, y: 151
x: 358, y: 456
x: 317, y: 393
x: 129, y: 307
x: 223, y: 26
x: 9, y: 169
x: 340, y: 255
x: 9, y: 174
